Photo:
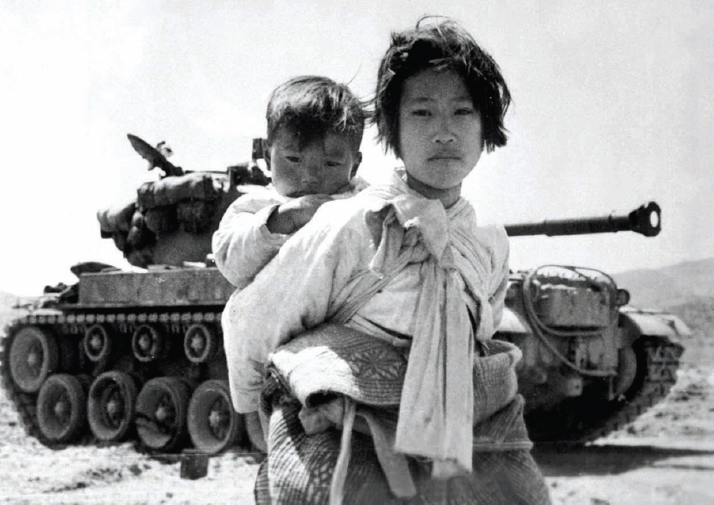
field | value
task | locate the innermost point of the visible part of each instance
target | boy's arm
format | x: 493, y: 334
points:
x: 289, y: 217
x: 290, y: 295
x: 243, y: 245
x: 249, y: 236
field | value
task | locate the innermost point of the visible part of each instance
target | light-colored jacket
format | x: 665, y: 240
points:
x: 455, y: 276
x: 243, y: 245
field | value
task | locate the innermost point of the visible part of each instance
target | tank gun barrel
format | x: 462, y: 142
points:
x: 645, y: 220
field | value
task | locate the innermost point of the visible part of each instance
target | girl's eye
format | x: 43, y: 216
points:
x: 464, y: 111
x: 421, y: 113
x: 293, y: 159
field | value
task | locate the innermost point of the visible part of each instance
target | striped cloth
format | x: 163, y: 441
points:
x: 299, y: 469
x: 300, y: 466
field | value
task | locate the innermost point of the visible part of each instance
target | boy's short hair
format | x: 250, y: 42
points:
x: 311, y: 106
x: 443, y: 45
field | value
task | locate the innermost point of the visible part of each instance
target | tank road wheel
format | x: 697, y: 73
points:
x: 61, y: 408
x: 110, y: 407
x: 626, y: 371
x: 161, y: 413
x: 147, y: 343
x: 97, y: 343
x: 213, y: 425
x: 34, y: 355
x: 200, y: 343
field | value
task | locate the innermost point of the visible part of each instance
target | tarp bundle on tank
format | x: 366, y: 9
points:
x: 171, y: 219
x: 115, y: 219
x: 201, y: 186
x: 188, y: 201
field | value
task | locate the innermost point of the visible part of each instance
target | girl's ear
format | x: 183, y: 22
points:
x: 266, y: 152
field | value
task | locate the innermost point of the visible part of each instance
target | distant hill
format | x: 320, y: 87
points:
x: 668, y: 286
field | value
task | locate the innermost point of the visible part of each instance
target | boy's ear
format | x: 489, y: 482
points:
x: 266, y: 152
x: 356, y: 164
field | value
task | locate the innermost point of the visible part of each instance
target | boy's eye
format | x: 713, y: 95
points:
x: 333, y: 164
x: 293, y: 159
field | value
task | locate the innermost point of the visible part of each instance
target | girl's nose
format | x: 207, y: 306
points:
x: 444, y: 133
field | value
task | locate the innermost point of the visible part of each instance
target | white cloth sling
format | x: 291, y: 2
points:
x: 436, y: 409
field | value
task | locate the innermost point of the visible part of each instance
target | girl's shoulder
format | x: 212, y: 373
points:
x: 466, y: 220
x: 490, y: 237
x: 349, y: 211
x: 492, y: 233
x: 495, y: 240
x: 352, y: 222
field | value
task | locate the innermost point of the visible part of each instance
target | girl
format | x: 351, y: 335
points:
x: 374, y: 322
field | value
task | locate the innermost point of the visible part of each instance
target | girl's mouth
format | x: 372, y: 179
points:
x: 446, y: 155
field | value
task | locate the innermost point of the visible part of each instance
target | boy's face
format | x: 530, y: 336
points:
x: 440, y: 132
x: 323, y: 166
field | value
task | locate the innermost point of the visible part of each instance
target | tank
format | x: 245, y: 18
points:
x: 591, y: 362
x: 138, y: 355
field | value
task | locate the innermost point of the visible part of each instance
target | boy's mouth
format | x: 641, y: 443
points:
x: 305, y: 192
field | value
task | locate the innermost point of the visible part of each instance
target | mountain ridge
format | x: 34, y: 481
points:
x: 670, y: 285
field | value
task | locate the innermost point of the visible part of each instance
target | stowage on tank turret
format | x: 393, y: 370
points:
x: 138, y: 355
x: 591, y: 363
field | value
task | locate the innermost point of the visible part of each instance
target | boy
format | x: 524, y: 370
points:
x: 315, y: 128
x: 418, y: 291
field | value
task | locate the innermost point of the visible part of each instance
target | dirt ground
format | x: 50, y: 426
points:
x: 665, y: 457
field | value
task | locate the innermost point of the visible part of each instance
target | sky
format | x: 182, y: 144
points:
x: 611, y: 109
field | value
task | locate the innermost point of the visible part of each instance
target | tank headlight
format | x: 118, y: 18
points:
x: 623, y: 297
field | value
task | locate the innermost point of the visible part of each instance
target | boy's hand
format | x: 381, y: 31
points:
x: 293, y: 215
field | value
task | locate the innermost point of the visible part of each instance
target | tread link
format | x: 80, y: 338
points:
x: 584, y: 421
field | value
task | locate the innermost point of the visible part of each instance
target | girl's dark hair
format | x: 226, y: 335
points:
x: 441, y: 45
x: 311, y: 106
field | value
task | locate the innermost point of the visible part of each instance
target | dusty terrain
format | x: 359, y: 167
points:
x: 665, y: 457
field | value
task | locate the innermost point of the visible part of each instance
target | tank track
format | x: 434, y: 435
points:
x: 72, y: 325
x: 575, y: 422
x: 581, y: 420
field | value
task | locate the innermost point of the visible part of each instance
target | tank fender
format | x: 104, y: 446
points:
x: 652, y: 323
x: 513, y: 322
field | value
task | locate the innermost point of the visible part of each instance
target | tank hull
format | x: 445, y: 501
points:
x: 178, y: 287
x: 591, y: 364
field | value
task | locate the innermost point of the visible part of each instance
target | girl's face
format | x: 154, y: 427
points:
x: 440, y: 132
